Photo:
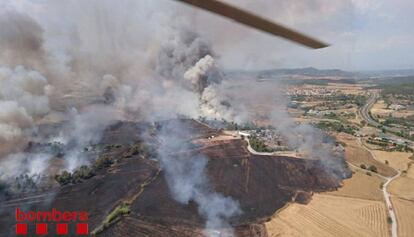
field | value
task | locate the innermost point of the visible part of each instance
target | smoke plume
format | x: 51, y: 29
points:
x: 99, y: 61
x: 104, y: 63
x: 23, y: 98
x: 187, y: 179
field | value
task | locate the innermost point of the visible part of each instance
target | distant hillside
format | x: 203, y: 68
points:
x: 395, y: 85
x: 321, y: 73
x: 394, y: 80
x: 309, y: 71
x: 389, y: 73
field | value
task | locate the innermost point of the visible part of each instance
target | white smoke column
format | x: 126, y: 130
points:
x: 187, y: 180
x: 215, y: 104
x: 205, y: 78
x: 198, y: 74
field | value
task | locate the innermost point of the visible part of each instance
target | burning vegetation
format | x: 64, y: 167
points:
x: 106, y: 120
x: 145, y: 203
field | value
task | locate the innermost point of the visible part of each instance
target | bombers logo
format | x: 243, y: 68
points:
x: 57, y: 220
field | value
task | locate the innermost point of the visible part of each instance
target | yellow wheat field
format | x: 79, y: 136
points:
x: 360, y: 185
x: 405, y: 216
x: 358, y: 155
x: 403, y: 186
x: 396, y: 160
x: 328, y: 215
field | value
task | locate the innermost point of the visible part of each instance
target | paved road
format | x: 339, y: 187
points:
x: 292, y: 154
x: 394, y: 231
x: 390, y: 208
x: 364, y: 112
x: 391, y: 213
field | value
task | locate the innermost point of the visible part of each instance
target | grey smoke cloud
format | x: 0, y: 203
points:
x: 28, y: 88
x: 266, y: 100
x: 103, y: 62
x: 21, y: 39
x: 143, y: 51
x: 23, y: 98
x: 23, y: 163
x: 74, y: 54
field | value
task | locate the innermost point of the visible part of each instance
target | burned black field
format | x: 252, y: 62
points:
x: 260, y: 184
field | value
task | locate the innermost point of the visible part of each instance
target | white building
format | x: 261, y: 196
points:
x: 245, y: 134
x: 397, y: 107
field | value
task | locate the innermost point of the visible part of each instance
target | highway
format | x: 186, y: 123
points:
x: 364, y: 113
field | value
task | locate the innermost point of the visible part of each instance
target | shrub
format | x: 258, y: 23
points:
x: 373, y: 168
x: 120, y: 210
x: 363, y: 166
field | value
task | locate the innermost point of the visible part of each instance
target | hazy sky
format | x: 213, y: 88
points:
x: 364, y: 34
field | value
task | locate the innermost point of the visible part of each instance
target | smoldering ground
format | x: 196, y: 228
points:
x: 97, y: 62
x: 188, y: 181
x: 92, y: 71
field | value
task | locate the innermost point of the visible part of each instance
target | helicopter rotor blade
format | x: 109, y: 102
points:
x: 252, y: 20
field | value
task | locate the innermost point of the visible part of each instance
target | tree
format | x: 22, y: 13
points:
x: 83, y: 172
x: 64, y: 178
x: 102, y: 162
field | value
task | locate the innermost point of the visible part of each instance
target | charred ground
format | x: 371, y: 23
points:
x: 261, y: 184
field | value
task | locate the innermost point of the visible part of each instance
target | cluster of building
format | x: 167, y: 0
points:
x: 270, y: 137
x: 314, y: 91
x: 313, y: 112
